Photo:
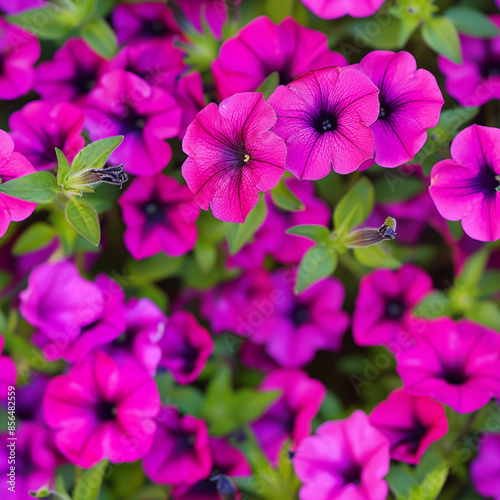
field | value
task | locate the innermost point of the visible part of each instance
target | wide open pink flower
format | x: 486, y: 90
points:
x: 103, y: 408
x: 232, y: 155
x: 324, y: 118
x: 457, y: 364
x: 411, y: 424
x: 123, y: 103
x: 485, y: 468
x: 12, y: 166
x: 410, y: 103
x: 333, y: 9
x: 343, y: 460
x: 8, y: 372
x: 464, y: 188
x: 262, y: 47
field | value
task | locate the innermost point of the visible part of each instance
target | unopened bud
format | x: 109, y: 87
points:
x: 371, y: 236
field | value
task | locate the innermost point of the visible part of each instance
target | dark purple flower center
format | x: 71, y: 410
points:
x: 489, y: 68
x: 132, y: 122
x: 83, y: 81
x: 184, y: 443
x: 106, y: 410
x: 300, y: 315
x: 394, y: 308
x: 454, y: 375
x: 411, y: 437
x: 385, y: 109
x: 154, y: 211
x: 486, y: 182
x: 89, y: 327
x: 353, y: 474
x: 153, y: 28
x: 325, y: 122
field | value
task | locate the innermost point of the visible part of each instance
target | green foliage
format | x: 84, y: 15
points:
x: 471, y: 21
x: 82, y: 216
x: 374, y: 256
x: 319, y: 234
x: 100, y: 36
x: 317, y: 263
x: 36, y: 236
x: 188, y: 398
x: 89, y: 484
x: 40, y: 187
x: 285, y: 199
x: 95, y: 154
x: 268, y: 86
x: 440, y: 35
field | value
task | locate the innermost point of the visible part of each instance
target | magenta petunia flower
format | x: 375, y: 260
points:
x: 8, y: 372
x: 232, y: 155
x: 477, y: 80
x: 457, y: 364
x: 383, y: 310
x: 410, y: 423
x: 19, y: 51
x: 333, y: 9
x: 29, y: 397
x: 262, y: 47
x: 12, y: 166
x: 485, y: 468
x: 344, y: 459
x: 103, y: 408
x: 324, y: 118
x: 410, y: 103
x: 464, y: 188
x: 190, y: 97
x: 71, y: 74
x: 291, y: 415
x: 59, y: 302
x: 186, y: 347
x: 16, y: 6
x: 255, y: 356
x: 39, y: 127
x: 160, y: 215
x: 123, y: 103
x: 181, y: 453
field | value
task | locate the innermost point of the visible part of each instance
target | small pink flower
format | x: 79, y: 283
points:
x: 485, y: 468
x: 186, y: 347
x: 232, y: 155
x: 344, y: 459
x: 8, y: 372
x: 103, y: 408
x: 324, y: 118
x: 411, y: 424
x: 464, y: 188
x: 181, y: 453
x: 455, y: 363
x: 333, y: 9
x: 160, y: 215
x: 262, y: 47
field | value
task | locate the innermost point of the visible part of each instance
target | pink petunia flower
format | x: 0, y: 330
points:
x: 15, y: 6
x: 410, y: 103
x: 29, y: 397
x: 181, y: 453
x: 411, y: 424
x: 186, y: 347
x: 103, y: 408
x: 333, y: 9
x: 71, y: 74
x: 383, y: 310
x: 160, y: 215
x: 324, y: 118
x: 457, y: 364
x: 262, y: 47
x: 8, y: 372
x: 190, y: 97
x: 344, y: 459
x: 123, y: 103
x: 232, y: 155
x: 256, y: 357
x: 464, y: 188
x: 19, y: 51
x: 485, y: 468
x: 291, y: 415
x: 477, y: 80
x: 39, y: 127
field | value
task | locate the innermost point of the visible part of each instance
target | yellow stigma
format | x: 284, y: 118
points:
x: 246, y: 158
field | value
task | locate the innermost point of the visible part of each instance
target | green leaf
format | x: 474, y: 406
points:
x: 205, y: 255
x: 90, y: 483
x: 433, y: 305
x: 489, y: 283
x: 250, y: 404
x: 432, y: 484
x: 317, y: 263
x: 485, y: 312
x: 440, y: 35
x: 268, y: 86
x: 387, y: 38
x: 156, y: 268
x: 63, y: 168
x: 354, y: 207
x: 95, y: 155
x: 82, y: 216
x: 86, y: 8
x: 400, y: 479
x: 188, y: 398
x: 34, y: 237
x: 315, y: 232
x: 374, y: 256
x: 100, y: 36
x: 239, y: 233
x: 60, y: 488
x: 471, y: 21
x: 472, y: 271
x: 394, y: 187
x: 40, y: 187
x: 285, y: 199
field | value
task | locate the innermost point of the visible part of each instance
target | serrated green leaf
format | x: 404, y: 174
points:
x: 239, y: 233
x: 34, y: 237
x: 82, y: 216
x: 440, y: 35
x: 285, y: 199
x: 100, y: 36
x: 315, y: 232
x: 40, y: 187
x: 268, y: 86
x: 471, y: 21
x: 317, y: 263
x: 63, y: 167
x: 375, y: 256
x: 90, y: 483
x: 95, y: 154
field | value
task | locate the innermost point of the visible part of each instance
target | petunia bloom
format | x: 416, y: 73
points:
x: 383, y: 310
x: 8, y: 372
x: 485, y: 468
x: 262, y: 47
x: 160, y: 215
x: 333, y: 9
x: 103, y: 408
x: 411, y: 424
x: 190, y: 97
x: 123, y: 103
x: 324, y: 118
x: 39, y: 127
x: 12, y: 166
x: 232, y: 155
x: 464, y: 188
x: 291, y: 415
x: 180, y: 454
x: 344, y: 459
x: 16, y: 6
x: 455, y: 363
x: 410, y: 103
